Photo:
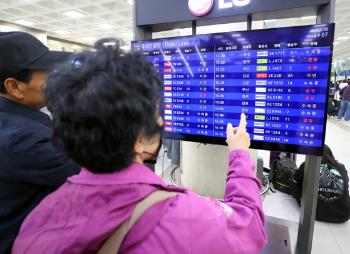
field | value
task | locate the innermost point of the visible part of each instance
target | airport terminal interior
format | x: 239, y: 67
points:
x: 74, y: 26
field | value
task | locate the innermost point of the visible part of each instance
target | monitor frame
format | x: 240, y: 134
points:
x: 262, y: 145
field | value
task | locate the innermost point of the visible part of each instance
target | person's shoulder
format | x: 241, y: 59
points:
x: 23, y: 139
x: 20, y: 122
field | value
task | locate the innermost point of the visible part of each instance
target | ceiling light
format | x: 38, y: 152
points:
x: 309, y: 17
x: 24, y: 22
x: 270, y: 20
x: 131, y: 2
x: 109, y: 43
x: 335, y: 43
x: 60, y: 31
x: 106, y: 26
x: 76, y: 47
x: 342, y: 38
x: 73, y: 14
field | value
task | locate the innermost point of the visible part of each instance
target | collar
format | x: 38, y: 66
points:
x: 134, y: 173
x: 16, y: 108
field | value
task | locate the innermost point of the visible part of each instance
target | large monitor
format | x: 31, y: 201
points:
x: 278, y: 77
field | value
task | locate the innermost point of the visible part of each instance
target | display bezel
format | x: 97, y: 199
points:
x: 263, y: 145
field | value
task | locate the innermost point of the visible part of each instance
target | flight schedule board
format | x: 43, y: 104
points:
x: 277, y: 77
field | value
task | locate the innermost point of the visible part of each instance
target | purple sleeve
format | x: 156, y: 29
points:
x: 243, y: 196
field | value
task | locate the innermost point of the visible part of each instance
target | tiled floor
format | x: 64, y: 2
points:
x: 328, y: 238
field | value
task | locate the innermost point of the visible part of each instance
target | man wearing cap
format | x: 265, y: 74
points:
x: 31, y: 167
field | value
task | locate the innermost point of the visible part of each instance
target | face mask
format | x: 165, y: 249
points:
x: 154, y: 155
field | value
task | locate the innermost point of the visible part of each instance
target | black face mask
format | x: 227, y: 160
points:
x: 154, y: 155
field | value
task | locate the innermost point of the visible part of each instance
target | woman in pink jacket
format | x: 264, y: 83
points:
x: 106, y: 116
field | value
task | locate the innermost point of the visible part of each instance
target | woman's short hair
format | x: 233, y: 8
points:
x: 101, y: 102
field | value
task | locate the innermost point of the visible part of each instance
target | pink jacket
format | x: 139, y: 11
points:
x: 79, y: 216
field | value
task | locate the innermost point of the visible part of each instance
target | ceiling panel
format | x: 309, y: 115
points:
x: 48, y: 15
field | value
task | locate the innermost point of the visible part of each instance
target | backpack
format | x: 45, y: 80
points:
x: 282, y: 172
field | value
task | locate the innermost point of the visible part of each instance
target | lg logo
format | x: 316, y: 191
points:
x: 200, y: 7
x: 203, y: 7
x: 225, y: 4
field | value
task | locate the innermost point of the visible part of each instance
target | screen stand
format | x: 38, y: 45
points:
x: 308, y: 204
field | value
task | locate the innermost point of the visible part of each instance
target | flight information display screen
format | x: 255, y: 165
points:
x: 277, y: 77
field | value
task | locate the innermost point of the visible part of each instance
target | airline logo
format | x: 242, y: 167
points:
x: 168, y: 112
x: 261, y: 68
x: 167, y: 64
x: 258, y: 137
x: 258, y: 131
x: 168, y: 106
x: 167, y: 76
x: 260, y: 90
x: 259, y: 117
x: 200, y: 7
x: 168, y: 123
x: 262, y: 61
x: 167, y: 88
x: 168, y: 129
x: 261, y: 75
x: 168, y: 118
x: 260, y: 111
x: 168, y: 100
x: 260, y: 104
x: 167, y: 70
x: 167, y: 58
x: 168, y: 94
x: 261, y: 82
x: 262, y: 53
x: 260, y: 96
x: 259, y: 124
x: 168, y: 82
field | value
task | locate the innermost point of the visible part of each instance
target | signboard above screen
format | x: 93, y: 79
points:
x: 203, y: 7
x: 185, y: 10
x: 277, y: 77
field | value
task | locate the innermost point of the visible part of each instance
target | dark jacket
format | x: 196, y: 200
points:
x: 345, y: 93
x: 31, y: 167
x: 333, y: 202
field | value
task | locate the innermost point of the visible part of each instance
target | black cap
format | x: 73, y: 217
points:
x: 22, y: 51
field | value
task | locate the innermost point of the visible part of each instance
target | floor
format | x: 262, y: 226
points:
x: 328, y: 238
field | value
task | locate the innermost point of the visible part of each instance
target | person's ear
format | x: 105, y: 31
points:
x: 139, y: 145
x: 14, y: 88
x: 160, y: 121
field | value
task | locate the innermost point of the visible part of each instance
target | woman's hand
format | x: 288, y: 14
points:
x: 238, y: 138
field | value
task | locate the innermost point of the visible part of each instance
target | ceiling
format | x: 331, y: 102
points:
x: 101, y: 18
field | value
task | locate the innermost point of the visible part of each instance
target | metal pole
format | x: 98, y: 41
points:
x: 140, y: 32
x: 325, y: 14
x: 194, y: 27
x: 308, y: 204
x: 249, y: 22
